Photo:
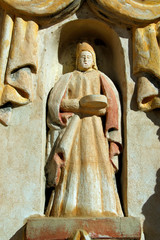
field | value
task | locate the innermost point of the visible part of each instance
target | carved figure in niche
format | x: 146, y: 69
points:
x: 84, y: 158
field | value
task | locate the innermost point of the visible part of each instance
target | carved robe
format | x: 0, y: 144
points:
x: 87, y: 182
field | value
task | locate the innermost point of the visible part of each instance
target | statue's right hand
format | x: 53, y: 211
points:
x: 70, y: 105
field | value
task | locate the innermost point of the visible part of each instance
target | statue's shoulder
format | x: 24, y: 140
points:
x: 101, y: 74
x: 105, y: 78
x: 66, y: 76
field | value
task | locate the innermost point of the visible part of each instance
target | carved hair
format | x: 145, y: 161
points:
x: 85, y: 47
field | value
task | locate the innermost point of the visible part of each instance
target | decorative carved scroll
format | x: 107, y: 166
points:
x: 42, y: 12
x: 18, y: 60
x: 18, y: 47
x: 146, y: 61
x: 130, y: 12
x: 22, y: 63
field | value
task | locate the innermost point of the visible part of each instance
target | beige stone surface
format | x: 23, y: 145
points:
x: 23, y: 142
x: 22, y: 162
x: 142, y: 158
x: 21, y: 174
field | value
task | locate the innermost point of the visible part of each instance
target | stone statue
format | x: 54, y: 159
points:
x: 84, y: 157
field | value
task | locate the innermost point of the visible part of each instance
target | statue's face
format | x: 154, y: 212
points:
x: 85, y: 60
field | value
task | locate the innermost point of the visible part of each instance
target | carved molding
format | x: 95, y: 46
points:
x: 38, y: 8
x: 146, y: 65
x: 130, y: 12
x: 18, y: 39
x: 43, y: 12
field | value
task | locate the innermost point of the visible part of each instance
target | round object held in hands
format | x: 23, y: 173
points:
x: 94, y: 101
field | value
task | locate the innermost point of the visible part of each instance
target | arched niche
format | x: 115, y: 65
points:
x: 110, y: 60
x: 106, y: 43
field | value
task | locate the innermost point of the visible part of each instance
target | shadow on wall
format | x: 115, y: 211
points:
x: 151, y: 211
x: 19, y: 234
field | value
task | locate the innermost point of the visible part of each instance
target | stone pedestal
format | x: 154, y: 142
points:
x: 50, y: 228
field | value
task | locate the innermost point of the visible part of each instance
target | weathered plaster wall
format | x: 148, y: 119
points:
x: 23, y: 142
x: 21, y: 172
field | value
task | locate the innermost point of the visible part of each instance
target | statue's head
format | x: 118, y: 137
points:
x: 85, y: 57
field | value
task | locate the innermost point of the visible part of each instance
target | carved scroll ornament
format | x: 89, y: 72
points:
x: 42, y: 12
x: 146, y: 62
x: 18, y: 60
x: 130, y: 12
x: 18, y: 48
x: 34, y: 7
x: 146, y: 52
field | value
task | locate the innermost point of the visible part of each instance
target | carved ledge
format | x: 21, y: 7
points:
x: 50, y: 228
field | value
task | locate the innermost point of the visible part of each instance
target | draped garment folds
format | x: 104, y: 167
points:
x: 146, y: 62
x: 87, y: 182
x: 18, y: 63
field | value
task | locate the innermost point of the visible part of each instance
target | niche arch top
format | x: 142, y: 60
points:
x: 104, y: 40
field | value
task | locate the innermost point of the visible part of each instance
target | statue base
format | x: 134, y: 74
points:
x: 51, y: 228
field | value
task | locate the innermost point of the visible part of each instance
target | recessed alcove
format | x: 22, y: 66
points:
x: 110, y: 60
x: 105, y: 41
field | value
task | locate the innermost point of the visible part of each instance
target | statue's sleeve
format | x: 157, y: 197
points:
x: 113, y: 118
x: 55, y: 119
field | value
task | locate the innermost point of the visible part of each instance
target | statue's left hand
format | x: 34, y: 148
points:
x: 53, y: 169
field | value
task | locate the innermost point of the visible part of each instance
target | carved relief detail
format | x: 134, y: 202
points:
x: 146, y: 65
x: 18, y: 60
x: 82, y: 164
x: 130, y: 12
x: 19, y: 57
x: 81, y: 235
